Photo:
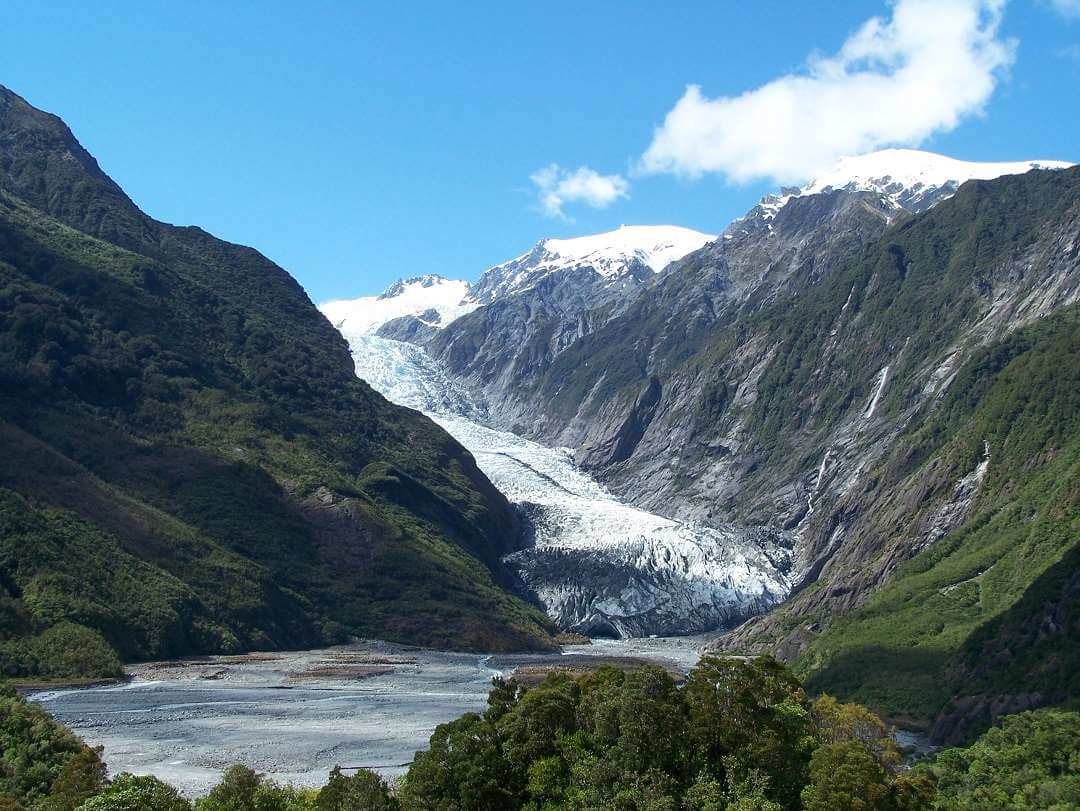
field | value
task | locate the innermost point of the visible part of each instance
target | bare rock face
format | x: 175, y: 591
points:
x: 502, y: 349
x: 342, y: 533
x: 411, y: 328
x: 767, y: 378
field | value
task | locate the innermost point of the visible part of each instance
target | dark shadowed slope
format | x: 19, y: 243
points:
x: 190, y: 464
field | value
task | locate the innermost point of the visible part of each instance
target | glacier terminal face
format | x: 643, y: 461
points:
x: 598, y: 566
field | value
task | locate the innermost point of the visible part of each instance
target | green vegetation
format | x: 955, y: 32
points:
x: 984, y: 615
x: 739, y: 735
x: 1031, y: 761
x: 914, y: 292
x: 130, y: 793
x: 242, y: 789
x: 42, y: 765
x: 1001, y: 587
x: 191, y: 465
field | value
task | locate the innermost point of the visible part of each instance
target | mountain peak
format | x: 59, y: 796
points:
x: 909, y: 179
x: 43, y: 163
x: 433, y: 299
x: 913, y: 178
x: 655, y: 245
x: 402, y: 286
x: 612, y: 255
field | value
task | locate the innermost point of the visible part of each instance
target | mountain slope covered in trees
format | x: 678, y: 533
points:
x: 191, y: 465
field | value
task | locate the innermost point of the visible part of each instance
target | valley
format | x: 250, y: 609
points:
x: 598, y: 566
x: 784, y: 425
x: 797, y: 480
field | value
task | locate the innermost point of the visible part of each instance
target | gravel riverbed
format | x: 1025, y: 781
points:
x: 294, y: 715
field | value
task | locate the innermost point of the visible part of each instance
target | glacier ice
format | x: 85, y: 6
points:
x: 597, y: 566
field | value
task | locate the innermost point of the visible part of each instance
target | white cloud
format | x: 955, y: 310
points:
x: 893, y: 82
x: 1066, y: 8
x: 557, y: 186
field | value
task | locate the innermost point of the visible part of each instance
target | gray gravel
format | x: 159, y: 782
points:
x: 295, y: 715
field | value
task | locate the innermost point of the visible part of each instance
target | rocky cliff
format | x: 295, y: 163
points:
x: 789, y: 372
x: 829, y: 368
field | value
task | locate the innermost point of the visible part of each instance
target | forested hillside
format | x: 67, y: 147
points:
x: 191, y: 465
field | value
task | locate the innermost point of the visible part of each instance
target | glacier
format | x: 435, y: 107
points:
x: 597, y: 566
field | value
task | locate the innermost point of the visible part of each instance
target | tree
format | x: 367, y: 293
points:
x: 81, y: 777
x: 242, y: 789
x: 751, y: 714
x: 364, y: 791
x: 1032, y: 760
x: 547, y: 781
x: 235, y: 792
x: 129, y: 792
x: 464, y: 768
x: 844, y: 776
x: 530, y: 728
x: 503, y: 695
x: 652, y: 724
x: 35, y: 751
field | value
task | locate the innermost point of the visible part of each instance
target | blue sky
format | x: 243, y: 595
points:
x: 355, y: 143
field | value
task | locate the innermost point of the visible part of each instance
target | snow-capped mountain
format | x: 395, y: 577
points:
x: 914, y: 179
x: 638, y: 250
x: 431, y: 299
x: 909, y: 179
x: 430, y: 302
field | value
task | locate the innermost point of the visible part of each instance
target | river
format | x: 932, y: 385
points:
x: 295, y: 715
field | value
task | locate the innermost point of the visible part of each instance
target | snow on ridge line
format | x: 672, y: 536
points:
x: 612, y: 255
x: 912, y: 167
x: 655, y: 245
x: 909, y: 178
x: 433, y: 299
x: 437, y: 301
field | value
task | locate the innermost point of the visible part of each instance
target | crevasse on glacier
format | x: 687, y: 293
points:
x: 597, y: 566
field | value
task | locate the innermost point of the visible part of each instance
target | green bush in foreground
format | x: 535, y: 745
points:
x: 738, y: 735
x: 241, y: 789
x: 129, y: 792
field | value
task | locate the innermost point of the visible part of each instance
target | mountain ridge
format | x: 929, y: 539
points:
x: 181, y: 400
x: 770, y: 377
